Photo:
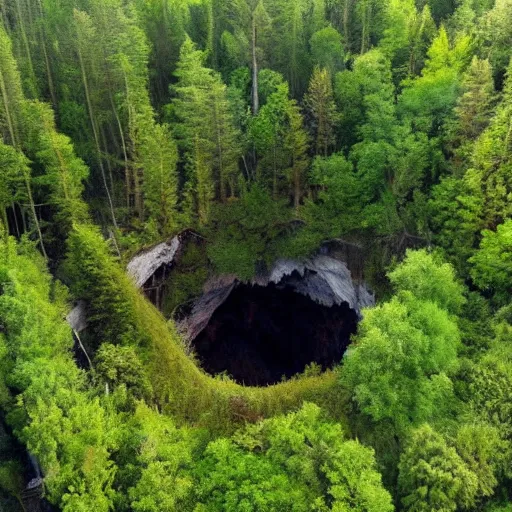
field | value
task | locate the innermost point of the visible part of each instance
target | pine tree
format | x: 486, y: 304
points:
x: 288, y: 51
x: 204, y: 118
x: 227, y: 141
x: 248, y: 21
x: 203, y: 180
x: 86, y: 47
x: 296, y: 142
x: 11, y: 117
x: 319, y: 101
x: 160, y: 157
x: 473, y: 112
x: 11, y: 184
x: 474, y: 107
x: 64, y: 172
x: 10, y: 89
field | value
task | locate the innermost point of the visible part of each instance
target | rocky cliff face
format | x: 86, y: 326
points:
x: 272, y: 326
x: 323, y: 279
x: 143, y: 266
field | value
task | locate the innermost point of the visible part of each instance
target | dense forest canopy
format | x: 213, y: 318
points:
x: 267, y: 128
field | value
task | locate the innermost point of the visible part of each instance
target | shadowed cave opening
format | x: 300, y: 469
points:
x: 260, y: 334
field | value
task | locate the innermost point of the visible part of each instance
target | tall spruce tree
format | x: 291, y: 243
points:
x: 319, y: 102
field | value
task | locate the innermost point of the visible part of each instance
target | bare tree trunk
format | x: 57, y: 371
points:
x: 34, y: 214
x: 83, y: 348
x: 46, y: 58
x: 26, y: 45
x: 16, y: 224
x: 255, y: 91
x: 10, y: 124
x: 96, y: 139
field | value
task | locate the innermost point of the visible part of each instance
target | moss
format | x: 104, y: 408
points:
x: 186, y: 280
x: 181, y: 388
x: 186, y: 392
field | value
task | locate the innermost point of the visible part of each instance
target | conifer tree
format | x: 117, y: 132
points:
x: 319, y: 101
x: 11, y: 117
x: 11, y: 185
x: 227, y: 140
x: 289, y: 39
x: 473, y: 110
x: 296, y: 142
x: 489, y: 177
x: 160, y: 157
x: 87, y: 42
x: 64, y: 172
x: 205, y: 126
x: 248, y: 21
x: 10, y: 89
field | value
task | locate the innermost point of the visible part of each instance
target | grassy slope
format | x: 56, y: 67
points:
x: 190, y: 395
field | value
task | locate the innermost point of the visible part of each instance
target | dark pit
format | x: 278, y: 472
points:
x: 261, y: 334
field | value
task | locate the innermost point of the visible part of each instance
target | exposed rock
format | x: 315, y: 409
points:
x: 206, y: 306
x: 77, y: 317
x: 325, y: 280
x: 142, y: 267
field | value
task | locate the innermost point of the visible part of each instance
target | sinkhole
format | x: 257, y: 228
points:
x: 260, y: 334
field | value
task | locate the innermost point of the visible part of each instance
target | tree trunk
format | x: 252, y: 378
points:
x: 46, y: 58
x: 34, y: 214
x: 27, y: 49
x: 10, y: 124
x: 255, y: 91
x: 96, y: 139
x: 16, y: 224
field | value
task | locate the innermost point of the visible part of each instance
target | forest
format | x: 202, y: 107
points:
x: 256, y: 134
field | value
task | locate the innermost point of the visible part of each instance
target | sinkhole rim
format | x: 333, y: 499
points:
x: 267, y: 357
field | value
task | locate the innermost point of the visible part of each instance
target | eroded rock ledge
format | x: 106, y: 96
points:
x: 324, y: 279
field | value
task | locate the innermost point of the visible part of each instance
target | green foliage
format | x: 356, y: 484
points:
x: 163, y: 454
x: 455, y: 219
x: 433, y: 476
x: 327, y: 49
x: 481, y: 448
x: 340, y: 199
x: 290, y: 462
x: 492, y: 264
x: 205, y: 126
x: 428, y: 279
x: 319, y: 100
x: 54, y: 414
x: 474, y: 109
x: 97, y: 280
x: 64, y: 171
x: 120, y: 366
x: 187, y: 279
x: 248, y: 228
x: 398, y: 369
x: 410, y: 126
x: 159, y: 157
x: 282, y: 144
